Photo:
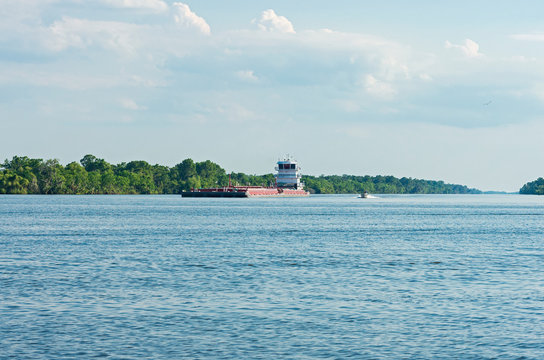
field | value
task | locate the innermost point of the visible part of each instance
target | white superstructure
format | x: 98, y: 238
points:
x: 288, y: 175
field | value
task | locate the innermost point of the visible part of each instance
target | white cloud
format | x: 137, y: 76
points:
x: 270, y: 21
x: 425, y: 77
x: 81, y: 33
x: 393, y: 68
x: 155, y: 5
x: 470, y: 48
x: 185, y: 17
x: 388, y: 60
x: 247, y: 75
x: 528, y: 37
x: 378, y: 88
x: 123, y: 37
x: 130, y: 104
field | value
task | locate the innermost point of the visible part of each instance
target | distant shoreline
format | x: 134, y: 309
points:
x: 94, y: 176
x: 313, y: 194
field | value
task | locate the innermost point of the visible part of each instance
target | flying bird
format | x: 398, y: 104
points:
x: 489, y: 102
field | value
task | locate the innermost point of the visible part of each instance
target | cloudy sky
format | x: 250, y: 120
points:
x: 449, y: 91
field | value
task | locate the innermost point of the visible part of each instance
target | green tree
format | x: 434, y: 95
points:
x: 94, y: 183
x: 161, y: 178
x: 11, y: 183
x: 184, y: 176
x: 108, y: 182
x: 75, y: 177
x: 211, y: 174
x: 51, y: 179
x: 27, y: 168
x: 92, y: 163
x: 533, y: 188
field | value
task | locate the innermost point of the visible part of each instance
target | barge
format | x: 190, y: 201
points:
x: 288, y: 184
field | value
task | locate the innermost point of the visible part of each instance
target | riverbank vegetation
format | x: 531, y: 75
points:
x: 533, y: 188
x: 91, y: 175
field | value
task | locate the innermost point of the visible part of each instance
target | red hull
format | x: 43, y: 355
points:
x: 245, y: 191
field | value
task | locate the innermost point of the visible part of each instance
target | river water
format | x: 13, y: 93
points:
x: 324, y: 277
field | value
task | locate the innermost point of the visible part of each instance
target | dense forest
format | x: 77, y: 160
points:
x: 24, y: 175
x: 533, y: 188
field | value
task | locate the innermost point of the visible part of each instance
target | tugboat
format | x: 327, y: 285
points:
x: 288, y: 184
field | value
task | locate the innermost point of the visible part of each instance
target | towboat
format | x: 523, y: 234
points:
x: 288, y: 184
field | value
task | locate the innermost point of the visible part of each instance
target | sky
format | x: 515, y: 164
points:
x: 437, y: 90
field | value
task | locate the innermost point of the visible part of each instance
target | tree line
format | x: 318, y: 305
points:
x: 533, y: 188
x: 91, y: 175
x: 349, y: 184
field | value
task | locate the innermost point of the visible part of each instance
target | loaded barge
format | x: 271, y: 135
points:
x: 288, y: 184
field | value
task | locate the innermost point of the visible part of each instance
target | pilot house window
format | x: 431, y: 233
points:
x: 287, y: 166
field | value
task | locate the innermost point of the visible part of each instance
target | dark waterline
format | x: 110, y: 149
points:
x: 333, y: 277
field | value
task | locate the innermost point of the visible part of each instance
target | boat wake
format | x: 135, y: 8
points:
x: 367, y: 197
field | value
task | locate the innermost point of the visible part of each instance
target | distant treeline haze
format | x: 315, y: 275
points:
x: 23, y: 175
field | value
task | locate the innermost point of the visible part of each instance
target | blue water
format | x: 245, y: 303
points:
x: 325, y: 277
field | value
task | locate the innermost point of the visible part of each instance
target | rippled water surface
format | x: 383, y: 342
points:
x: 331, y: 277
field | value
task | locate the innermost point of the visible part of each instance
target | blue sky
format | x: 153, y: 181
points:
x: 450, y: 91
